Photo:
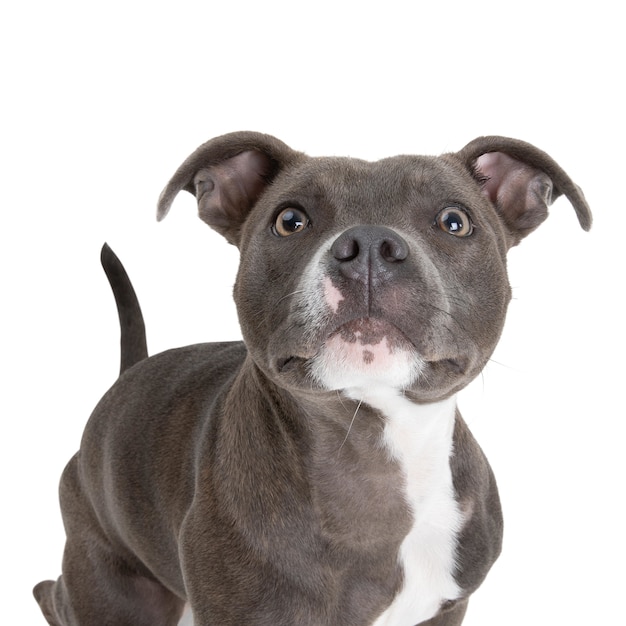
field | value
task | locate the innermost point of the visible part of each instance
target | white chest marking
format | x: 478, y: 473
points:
x: 419, y: 438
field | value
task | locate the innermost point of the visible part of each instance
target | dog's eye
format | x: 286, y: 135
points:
x: 290, y: 221
x: 455, y: 221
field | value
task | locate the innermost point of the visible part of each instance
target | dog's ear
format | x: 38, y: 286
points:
x: 227, y: 175
x: 521, y: 181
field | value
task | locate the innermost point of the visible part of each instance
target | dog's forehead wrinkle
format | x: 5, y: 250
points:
x: 348, y: 178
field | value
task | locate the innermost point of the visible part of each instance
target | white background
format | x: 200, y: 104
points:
x: 102, y: 101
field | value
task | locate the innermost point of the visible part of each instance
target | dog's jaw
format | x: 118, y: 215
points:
x: 366, y: 352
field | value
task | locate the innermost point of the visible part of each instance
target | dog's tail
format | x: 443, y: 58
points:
x: 133, y: 330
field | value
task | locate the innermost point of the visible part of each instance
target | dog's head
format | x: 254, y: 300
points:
x: 356, y: 274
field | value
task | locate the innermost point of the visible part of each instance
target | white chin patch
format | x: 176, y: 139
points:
x: 366, y: 352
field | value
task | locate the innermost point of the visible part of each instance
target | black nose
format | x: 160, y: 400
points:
x: 369, y: 253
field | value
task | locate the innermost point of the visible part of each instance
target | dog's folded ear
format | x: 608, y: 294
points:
x: 521, y: 181
x: 227, y: 175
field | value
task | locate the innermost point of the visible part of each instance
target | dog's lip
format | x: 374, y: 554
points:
x: 370, y: 330
x: 286, y: 363
x: 458, y: 365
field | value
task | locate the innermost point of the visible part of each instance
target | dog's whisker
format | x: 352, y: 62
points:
x: 504, y: 365
x: 340, y: 398
x: 350, y: 426
x: 289, y: 295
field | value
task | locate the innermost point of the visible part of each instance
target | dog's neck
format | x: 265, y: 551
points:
x: 368, y: 452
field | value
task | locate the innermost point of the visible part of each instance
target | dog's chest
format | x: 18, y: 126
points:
x: 419, y: 438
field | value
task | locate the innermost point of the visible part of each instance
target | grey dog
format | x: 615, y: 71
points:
x: 317, y: 473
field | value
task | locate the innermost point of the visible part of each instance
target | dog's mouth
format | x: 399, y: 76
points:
x: 362, y: 349
x: 356, y: 332
x: 369, y: 331
x: 367, y: 351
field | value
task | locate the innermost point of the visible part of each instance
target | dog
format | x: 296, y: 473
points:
x: 317, y: 473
